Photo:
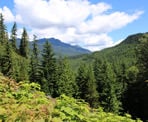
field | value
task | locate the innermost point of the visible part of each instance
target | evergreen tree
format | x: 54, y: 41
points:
x: 132, y: 74
x: 92, y: 93
x: 109, y: 94
x: 49, y: 69
x: 136, y: 95
x: 23, y: 69
x: 13, y: 37
x: 35, y: 66
x: 122, y: 76
x: 81, y: 80
x: 99, y: 72
x: 7, y: 65
x: 65, y: 81
x: 24, y: 50
x: 87, y: 85
x: 2, y: 30
x: 143, y: 60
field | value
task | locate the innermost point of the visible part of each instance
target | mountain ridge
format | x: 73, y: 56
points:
x: 124, y: 52
x: 63, y: 49
x: 59, y: 48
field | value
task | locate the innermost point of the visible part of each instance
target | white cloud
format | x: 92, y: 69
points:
x: 7, y: 14
x: 73, y: 21
x: 45, y: 14
x: 108, y: 22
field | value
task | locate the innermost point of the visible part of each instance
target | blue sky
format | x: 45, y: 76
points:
x: 92, y: 24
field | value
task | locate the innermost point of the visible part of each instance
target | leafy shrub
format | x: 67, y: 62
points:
x: 24, y: 102
x: 71, y: 110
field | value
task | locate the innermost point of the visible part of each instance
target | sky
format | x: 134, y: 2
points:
x: 91, y: 24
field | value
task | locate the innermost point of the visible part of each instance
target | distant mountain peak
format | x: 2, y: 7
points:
x: 62, y: 48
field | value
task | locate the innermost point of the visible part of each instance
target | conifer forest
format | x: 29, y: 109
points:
x: 36, y: 85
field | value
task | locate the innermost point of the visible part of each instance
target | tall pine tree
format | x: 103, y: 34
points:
x: 48, y: 63
x: 109, y: 96
x: 24, y: 49
x: 35, y: 66
x: 7, y: 65
x: 87, y: 85
x: 65, y: 79
x: 13, y: 37
x: 99, y: 72
x: 3, y: 35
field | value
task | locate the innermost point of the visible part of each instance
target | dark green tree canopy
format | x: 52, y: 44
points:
x: 48, y: 64
x: 87, y: 85
x: 3, y: 34
x: 24, y: 49
x: 35, y: 65
x: 143, y: 60
x: 65, y: 79
x: 13, y: 37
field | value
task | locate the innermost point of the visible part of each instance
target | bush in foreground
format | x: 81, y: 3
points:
x: 24, y: 102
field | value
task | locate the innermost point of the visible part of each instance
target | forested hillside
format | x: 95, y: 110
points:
x: 128, y: 62
x: 105, y: 86
x: 125, y: 52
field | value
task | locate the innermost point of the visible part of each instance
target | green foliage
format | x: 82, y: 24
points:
x: 87, y: 85
x: 136, y: 100
x: 24, y: 49
x: 91, y: 92
x: 6, y: 61
x: 124, y: 59
x: 111, y: 101
x: 23, y: 69
x: 125, y: 52
x: 143, y: 58
x: 2, y: 52
x: 2, y: 30
x: 13, y: 37
x: 65, y: 79
x: 48, y: 63
x: 115, y: 75
x: 71, y: 110
x: 35, y: 66
x: 13, y: 65
x: 23, y: 102
x: 136, y: 94
x: 132, y: 74
x: 107, y: 86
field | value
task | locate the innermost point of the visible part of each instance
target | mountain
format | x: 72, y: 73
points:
x: 135, y: 38
x: 126, y: 49
x: 62, y: 49
x: 125, y: 52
